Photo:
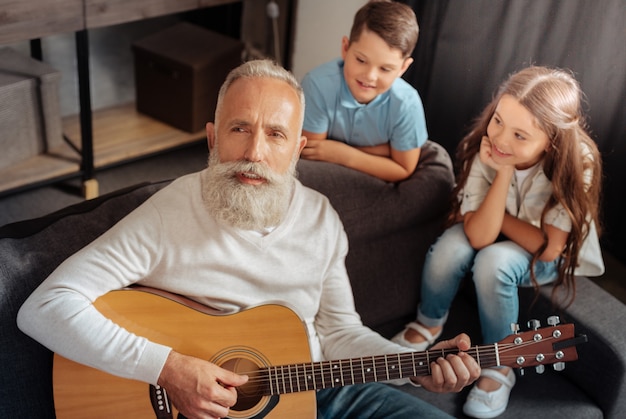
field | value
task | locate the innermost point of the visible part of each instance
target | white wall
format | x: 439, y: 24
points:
x: 320, y: 25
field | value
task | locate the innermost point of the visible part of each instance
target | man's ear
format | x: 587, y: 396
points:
x: 303, y: 141
x: 210, y: 134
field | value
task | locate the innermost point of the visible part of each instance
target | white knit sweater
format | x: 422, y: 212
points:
x: 172, y: 243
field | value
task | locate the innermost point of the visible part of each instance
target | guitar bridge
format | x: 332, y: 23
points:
x: 161, y: 404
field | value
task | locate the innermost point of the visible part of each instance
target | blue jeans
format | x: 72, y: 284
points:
x: 372, y: 400
x: 497, y: 270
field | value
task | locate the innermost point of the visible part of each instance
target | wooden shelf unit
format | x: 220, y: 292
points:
x: 100, y: 138
x: 121, y: 134
x: 56, y: 165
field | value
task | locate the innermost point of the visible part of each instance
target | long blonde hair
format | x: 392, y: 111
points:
x: 572, y: 162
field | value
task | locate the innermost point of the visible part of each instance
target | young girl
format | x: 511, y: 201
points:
x: 528, y: 193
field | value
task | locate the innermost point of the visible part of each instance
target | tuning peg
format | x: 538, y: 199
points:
x: 515, y: 329
x: 534, y: 324
x: 554, y: 320
x: 521, y: 372
x: 559, y: 366
x: 540, y: 369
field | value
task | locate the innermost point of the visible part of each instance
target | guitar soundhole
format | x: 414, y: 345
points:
x: 251, y: 393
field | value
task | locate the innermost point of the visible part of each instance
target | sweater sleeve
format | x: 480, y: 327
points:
x: 60, y: 313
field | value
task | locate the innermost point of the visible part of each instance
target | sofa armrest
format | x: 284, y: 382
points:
x: 369, y: 206
x: 600, y: 370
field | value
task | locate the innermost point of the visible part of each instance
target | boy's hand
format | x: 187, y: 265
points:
x: 454, y: 372
x: 324, y: 150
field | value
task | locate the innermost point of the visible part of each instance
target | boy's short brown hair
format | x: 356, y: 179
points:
x: 394, y: 22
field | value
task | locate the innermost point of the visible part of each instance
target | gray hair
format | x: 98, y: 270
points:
x: 260, y: 69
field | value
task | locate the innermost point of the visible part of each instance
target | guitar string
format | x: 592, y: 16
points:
x: 324, y: 366
x: 377, y: 364
x: 370, y: 366
x: 282, y: 376
x: 383, y: 358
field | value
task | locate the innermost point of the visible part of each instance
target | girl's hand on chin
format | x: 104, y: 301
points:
x: 486, y: 153
x: 486, y: 156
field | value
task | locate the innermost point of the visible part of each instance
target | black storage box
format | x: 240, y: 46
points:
x: 178, y: 73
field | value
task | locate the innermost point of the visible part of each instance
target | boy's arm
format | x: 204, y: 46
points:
x: 381, y: 161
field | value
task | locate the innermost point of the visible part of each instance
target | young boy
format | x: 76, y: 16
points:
x: 359, y: 100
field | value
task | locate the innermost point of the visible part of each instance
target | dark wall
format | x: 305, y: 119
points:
x: 467, y: 48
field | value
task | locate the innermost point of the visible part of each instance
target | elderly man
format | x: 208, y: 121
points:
x: 241, y: 233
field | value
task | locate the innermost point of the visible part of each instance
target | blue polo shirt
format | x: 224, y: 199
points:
x: 395, y: 117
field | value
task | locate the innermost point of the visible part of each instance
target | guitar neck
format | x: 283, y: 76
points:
x: 319, y: 375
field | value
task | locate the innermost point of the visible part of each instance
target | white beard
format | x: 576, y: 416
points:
x: 247, y: 207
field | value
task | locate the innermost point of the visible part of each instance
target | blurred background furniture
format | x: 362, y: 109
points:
x: 104, y: 137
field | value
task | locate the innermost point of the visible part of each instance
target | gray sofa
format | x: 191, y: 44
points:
x: 390, y: 227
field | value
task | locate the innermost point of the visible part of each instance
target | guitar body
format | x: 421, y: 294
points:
x: 240, y: 342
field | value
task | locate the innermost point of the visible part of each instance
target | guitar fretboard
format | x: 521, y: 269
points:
x: 326, y: 374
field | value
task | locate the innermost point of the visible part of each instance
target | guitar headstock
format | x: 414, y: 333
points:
x: 555, y: 344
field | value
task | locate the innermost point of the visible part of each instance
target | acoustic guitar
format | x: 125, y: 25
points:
x: 269, y: 343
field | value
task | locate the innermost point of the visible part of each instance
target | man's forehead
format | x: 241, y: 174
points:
x: 262, y: 83
x: 254, y: 101
x: 265, y: 92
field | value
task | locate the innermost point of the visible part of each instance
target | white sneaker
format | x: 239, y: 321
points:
x: 420, y: 346
x: 484, y: 405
